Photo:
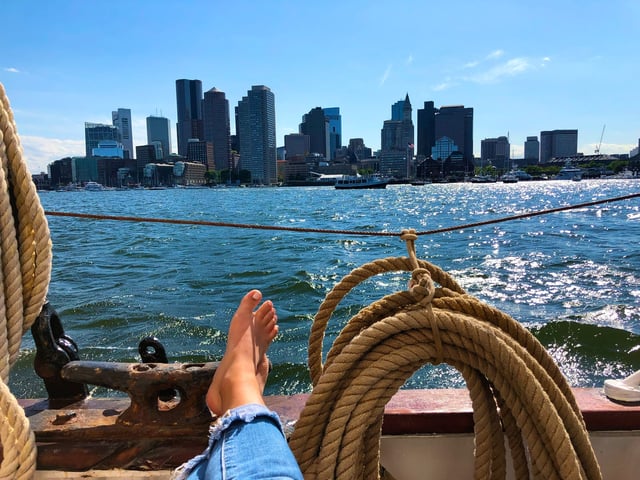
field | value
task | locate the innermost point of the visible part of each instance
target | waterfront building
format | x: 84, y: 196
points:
x: 396, y: 141
x: 189, y: 109
x: 159, y: 130
x: 315, y: 125
x: 60, y: 172
x: 358, y: 150
x: 496, y: 152
x: 296, y: 144
x: 121, y: 119
x: 256, y: 129
x: 334, y: 130
x: 454, y: 122
x: 557, y: 144
x: 531, y: 150
x: 189, y: 174
x: 217, y: 127
x: 109, y: 148
x: 201, y: 152
x: 95, y: 133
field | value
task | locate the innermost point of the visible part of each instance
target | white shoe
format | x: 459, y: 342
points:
x: 627, y: 390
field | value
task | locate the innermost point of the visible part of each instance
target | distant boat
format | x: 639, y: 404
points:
x: 93, y: 187
x: 569, y: 172
x: 482, y: 179
x: 510, y: 177
x: 353, y: 182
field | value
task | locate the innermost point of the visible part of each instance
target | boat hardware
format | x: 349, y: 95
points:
x: 55, y: 349
x: 146, y: 384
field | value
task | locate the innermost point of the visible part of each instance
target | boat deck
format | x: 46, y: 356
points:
x: 438, y: 416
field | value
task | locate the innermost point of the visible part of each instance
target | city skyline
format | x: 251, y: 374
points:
x: 537, y: 72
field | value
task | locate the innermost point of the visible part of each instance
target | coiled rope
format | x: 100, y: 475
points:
x: 25, y: 248
x: 516, y: 389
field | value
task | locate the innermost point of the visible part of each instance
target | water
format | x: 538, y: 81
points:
x: 573, y: 278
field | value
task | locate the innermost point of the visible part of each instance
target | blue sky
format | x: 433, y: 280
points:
x: 523, y: 66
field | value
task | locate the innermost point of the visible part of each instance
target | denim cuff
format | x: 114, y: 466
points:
x: 244, y: 413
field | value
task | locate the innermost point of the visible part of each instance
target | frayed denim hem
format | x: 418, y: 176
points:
x: 244, y: 413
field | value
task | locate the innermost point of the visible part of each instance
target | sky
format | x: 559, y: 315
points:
x: 522, y: 66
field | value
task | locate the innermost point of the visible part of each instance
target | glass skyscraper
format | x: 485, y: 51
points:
x: 256, y: 129
x: 189, y: 108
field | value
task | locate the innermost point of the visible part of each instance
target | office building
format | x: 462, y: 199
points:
x: 199, y: 151
x: 159, y: 130
x: 95, y: 133
x: 256, y: 130
x: 558, y: 144
x: 121, y: 119
x: 189, y: 109
x: 315, y: 125
x: 396, y: 141
x: 496, y: 152
x: 453, y: 122
x: 109, y: 148
x: 334, y: 129
x: 217, y: 127
x: 531, y: 150
x: 296, y: 145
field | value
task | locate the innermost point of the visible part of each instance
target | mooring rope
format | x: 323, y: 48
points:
x: 514, y: 384
x: 25, y: 248
x: 206, y: 223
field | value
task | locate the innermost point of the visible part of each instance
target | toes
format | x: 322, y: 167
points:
x: 250, y: 301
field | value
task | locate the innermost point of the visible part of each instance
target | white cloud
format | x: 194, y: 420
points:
x: 385, y: 75
x: 495, y: 54
x: 510, y: 68
x: 40, y: 151
x: 410, y: 59
x: 12, y: 70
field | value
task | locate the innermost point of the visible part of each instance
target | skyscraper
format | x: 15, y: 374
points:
x: 532, y: 150
x: 95, y: 133
x: 256, y: 129
x: 496, y: 152
x: 159, y: 130
x: 396, y: 141
x: 332, y: 115
x: 122, y: 120
x: 558, y: 143
x: 454, y: 122
x: 315, y: 125
x: 217, y: 129
x: 189, y: 109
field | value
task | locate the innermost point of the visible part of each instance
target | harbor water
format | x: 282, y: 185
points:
x: 571, y: 277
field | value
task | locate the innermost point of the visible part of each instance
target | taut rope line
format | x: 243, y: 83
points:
x: 25, y: 248
x: 206, y: 223
x: 515, y: 386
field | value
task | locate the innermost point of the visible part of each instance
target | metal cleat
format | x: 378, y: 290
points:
x: 147, y: 385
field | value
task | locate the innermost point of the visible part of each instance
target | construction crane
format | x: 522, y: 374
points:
x: 597, y: 151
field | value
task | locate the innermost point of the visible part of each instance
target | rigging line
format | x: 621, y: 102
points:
x: 340, y: 232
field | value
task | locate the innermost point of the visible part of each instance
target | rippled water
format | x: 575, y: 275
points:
x: 573, y: 278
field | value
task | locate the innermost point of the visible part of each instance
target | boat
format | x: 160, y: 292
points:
x: 424, y: 433
x: 569, y: 172
x: 356, y: 182
x: 509, y: 177
x: 93, y: 187
x: 482, y: 179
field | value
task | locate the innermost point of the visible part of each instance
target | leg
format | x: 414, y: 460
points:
x: 241, y: 376
x: 247, y: 441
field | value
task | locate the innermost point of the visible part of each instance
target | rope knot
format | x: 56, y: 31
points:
x: 408, y: 235
x: 421, y: 285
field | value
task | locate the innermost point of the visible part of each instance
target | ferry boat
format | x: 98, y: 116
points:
x: 352, y: 182
x: 569, y: 172
x: 93, y: 187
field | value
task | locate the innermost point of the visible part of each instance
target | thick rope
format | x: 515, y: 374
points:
x: 516, y: 389
x: 25, y: 249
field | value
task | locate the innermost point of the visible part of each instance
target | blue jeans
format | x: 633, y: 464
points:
x: 247, y: 442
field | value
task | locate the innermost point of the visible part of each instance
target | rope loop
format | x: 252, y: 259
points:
x: 516, y: 389
x: 25, y: 249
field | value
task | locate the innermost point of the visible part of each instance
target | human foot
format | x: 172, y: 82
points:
x: 241, y: 375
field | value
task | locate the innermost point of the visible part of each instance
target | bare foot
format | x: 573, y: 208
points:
x: 242, y: 373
